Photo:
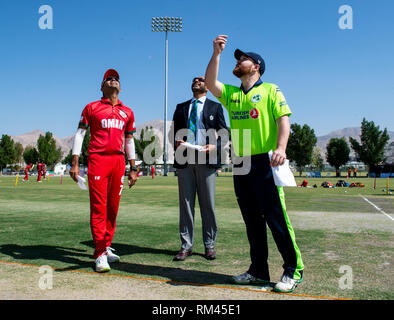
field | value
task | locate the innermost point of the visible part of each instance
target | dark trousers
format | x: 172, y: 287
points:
x: 262, y: 203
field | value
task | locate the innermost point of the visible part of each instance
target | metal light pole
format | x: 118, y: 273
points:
x: 166, y: 24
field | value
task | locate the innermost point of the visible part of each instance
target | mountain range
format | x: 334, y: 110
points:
x: 65, y: 144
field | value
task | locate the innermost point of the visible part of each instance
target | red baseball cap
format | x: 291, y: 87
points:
x: 111, y: 73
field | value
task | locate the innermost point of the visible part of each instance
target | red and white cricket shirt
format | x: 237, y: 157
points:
x: 108, y: 126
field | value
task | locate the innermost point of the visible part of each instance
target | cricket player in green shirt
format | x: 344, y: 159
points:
x: 259, y: 121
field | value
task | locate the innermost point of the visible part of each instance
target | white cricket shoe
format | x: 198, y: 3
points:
x: 247, y: 278
x: 102, y: 263
x: 111, y: 256
x: 287, y: 284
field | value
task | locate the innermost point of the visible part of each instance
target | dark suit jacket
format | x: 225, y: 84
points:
x: 213, y: 118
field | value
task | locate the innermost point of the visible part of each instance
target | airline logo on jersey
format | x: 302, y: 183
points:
x: 240, y: 115
x: 254, y: 113
x: 112, y: 123
x: 245, y: 115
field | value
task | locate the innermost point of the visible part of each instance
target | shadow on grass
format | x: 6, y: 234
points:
x: 43, y: 252
x: 176, y: 276
x: 126, y: 249
x: 76, y: 259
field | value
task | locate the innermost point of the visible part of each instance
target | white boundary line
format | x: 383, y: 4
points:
x: 377, y: 208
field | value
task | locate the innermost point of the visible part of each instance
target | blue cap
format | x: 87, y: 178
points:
x: 254, y: 56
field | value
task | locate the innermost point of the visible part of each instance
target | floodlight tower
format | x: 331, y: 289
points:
x: 166, y: 24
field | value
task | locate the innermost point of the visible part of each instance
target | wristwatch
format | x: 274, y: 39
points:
x: 133, y: 168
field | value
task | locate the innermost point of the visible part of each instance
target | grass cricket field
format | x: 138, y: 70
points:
x: 346, y: 238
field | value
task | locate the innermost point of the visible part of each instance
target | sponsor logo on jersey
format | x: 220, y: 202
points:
x: 112, y: 123
x: 122, y: 113
x: 256, y: 98
x: 240, y: 115
x: 254, y: 113
x: 283, y: 103
x: 235, y: 101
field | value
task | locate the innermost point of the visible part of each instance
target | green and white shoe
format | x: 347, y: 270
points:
x: 287, y: 284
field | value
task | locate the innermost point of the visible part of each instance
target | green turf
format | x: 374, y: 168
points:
x: 48, y: 224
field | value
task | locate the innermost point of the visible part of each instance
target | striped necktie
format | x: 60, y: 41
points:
x: 192, y: 137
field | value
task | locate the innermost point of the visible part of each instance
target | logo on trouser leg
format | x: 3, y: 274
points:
x: 97, y: 178
x: 121, y: 189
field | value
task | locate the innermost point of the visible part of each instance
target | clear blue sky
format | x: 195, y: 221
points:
x: 332, y: 78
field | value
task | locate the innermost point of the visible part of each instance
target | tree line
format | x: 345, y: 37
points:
x: 13, y: 154
x: 301, y: 148
x: 370, y: 150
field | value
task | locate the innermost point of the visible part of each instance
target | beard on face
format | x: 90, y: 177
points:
x: 200, y: 89
x: 241, y: 71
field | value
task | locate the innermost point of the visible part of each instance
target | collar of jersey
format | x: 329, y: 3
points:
x: 258, y: 82
x: 108, y: 102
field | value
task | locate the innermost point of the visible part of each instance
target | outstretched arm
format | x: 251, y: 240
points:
x: 211, y: 74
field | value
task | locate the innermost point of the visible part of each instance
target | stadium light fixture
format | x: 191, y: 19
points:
x: 166, y: 24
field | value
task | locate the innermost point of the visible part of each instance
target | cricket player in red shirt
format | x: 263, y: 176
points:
x: 27, y: 169
x: 43, y: 170
x: 39, y: 171
x: 111, y: 131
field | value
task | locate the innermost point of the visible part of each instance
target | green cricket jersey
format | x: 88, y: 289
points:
x: 253, y: 117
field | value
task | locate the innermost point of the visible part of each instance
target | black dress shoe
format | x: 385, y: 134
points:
x: 210, y: 253
x: 181, y: 256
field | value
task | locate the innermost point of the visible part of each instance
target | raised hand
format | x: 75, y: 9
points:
x: 219, y: 43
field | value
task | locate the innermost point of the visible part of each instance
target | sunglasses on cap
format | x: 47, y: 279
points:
x: 111, y: 78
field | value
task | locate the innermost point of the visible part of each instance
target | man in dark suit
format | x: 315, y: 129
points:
x: 199, y: 122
